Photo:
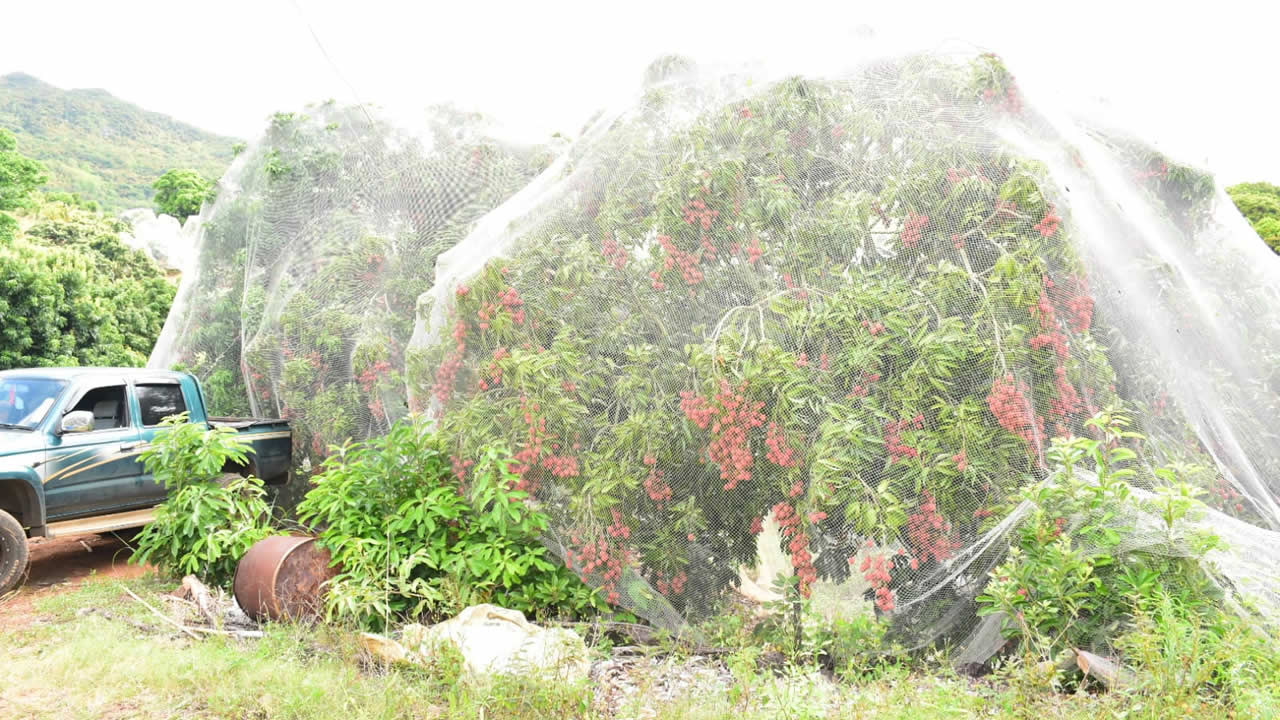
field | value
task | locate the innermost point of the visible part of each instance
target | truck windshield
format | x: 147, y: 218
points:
x: 24, y: 402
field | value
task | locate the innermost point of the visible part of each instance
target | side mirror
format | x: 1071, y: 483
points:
x: 77, y: 421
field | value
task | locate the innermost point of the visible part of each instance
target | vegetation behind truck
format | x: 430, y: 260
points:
x: 69, y: 445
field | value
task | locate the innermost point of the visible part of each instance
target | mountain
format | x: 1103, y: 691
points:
x: 102, y: 147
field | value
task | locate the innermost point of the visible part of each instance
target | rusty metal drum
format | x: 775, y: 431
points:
x: 282, y: 578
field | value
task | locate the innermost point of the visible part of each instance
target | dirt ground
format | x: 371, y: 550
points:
x: 60, y: 565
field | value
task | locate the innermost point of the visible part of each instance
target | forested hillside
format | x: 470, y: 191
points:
x: 101, y: 147
x: 71, y: 292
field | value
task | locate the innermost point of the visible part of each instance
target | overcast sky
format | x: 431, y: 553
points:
x: 1201, y: 83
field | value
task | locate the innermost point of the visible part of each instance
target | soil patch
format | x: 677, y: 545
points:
x: 61, y: 565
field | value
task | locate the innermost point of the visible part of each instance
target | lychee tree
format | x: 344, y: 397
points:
x: 849, y: 304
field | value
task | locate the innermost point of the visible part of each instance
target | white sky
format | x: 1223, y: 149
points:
x: 1201, y: 83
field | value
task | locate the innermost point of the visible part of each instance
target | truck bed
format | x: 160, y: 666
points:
x: 240, y: 423
x: 272, y: 443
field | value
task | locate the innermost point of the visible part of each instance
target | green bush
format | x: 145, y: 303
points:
x: 1082, y: 565
x: 1259, y: 202
x: 206, y: 525
x: 414, y: 539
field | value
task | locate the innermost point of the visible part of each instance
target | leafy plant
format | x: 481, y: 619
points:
x: 762, y: 302
x: 794, y: 300
x: 1078, y: 569
x: 19, y: 177
x: 414, y: 539
x: 794, y: 626
x: 206, y: 525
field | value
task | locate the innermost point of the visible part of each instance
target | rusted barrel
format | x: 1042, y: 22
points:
x: 281, y: 578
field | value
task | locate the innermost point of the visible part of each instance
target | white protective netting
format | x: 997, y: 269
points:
x: 307, y: 268
x: 856, y: 307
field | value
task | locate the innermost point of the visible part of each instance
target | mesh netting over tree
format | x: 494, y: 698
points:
x: 857, y: 309
x: 310, y: 263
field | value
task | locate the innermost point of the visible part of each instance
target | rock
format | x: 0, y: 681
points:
x: 492, y: 641
x: 385, y: 649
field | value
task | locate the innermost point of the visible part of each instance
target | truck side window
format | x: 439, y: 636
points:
x: 107, y: 405
x: 159, y: 402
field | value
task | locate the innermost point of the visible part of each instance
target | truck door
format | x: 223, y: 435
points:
x: 96, y: 471
x: 157, y: 399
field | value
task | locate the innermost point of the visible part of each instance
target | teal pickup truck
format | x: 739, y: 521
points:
x: 69, y: 445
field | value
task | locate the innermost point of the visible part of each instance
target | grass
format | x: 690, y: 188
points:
x: 80, y: 664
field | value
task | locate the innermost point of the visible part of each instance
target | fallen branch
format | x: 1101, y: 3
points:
x: 1108, y: 672
x: 196, y: 591
x: 246, y: 634
x: 161, y: 615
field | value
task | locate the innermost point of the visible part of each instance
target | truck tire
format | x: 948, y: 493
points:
x: 14, y: 556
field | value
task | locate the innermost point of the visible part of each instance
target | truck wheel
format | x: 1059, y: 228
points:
x: 14, y: 555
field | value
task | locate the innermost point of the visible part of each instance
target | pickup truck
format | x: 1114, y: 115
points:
x: 69, y: 445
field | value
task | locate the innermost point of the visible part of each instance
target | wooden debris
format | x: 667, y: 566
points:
x: 161, y: 615
x: 244, y: 634
x: 195, y: 591
x: 384, y: 649
x: 1105, y: 670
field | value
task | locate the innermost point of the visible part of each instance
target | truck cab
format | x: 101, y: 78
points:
x: 70, y: 440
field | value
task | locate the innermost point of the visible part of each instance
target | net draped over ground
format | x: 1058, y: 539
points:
x: 856, y: 307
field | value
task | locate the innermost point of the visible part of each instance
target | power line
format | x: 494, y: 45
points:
x: 332, y: 65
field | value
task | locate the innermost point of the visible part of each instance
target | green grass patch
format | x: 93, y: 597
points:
x: 84, y: 665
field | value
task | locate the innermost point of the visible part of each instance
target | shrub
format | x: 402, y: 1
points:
x: 412, y: 538
x: 74, y: 294
x: 205, y: 526
x: 1090, y: 555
